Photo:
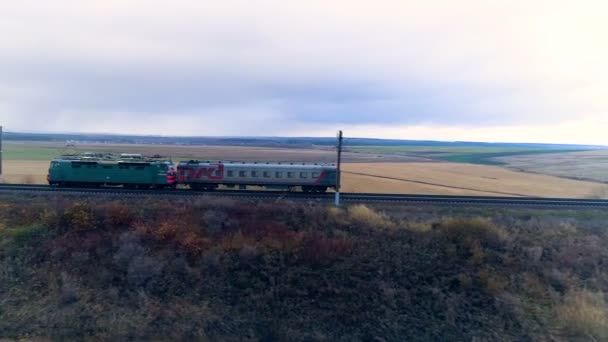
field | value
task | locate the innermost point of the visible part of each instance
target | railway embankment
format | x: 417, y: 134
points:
x: 78, y: 268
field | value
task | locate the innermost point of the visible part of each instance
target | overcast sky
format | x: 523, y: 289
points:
x: 490, y: 70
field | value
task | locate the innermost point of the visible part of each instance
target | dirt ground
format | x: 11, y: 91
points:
x: 25, y: 171
x: 415, y: 178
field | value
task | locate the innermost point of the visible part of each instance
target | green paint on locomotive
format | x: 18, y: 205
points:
x: 106, y: 170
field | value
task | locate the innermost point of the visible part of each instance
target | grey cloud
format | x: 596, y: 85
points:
x: 307, y: 65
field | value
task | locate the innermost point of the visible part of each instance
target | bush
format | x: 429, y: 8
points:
x: 27, y: 235
x: 363, y: 215
x: 80, y: 216
x: 584, y: 314
x: 318, y: 249
x: 467, y: 231
x: 117, y: 215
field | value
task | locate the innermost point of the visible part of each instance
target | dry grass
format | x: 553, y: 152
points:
x: 452, y: 178
x: 369, y: 217
x: 584, y: 313
x: 25, y: 171
x: 206, y: 270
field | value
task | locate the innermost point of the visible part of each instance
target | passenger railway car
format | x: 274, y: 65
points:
x: 207, y: 175
x: 128, y: 170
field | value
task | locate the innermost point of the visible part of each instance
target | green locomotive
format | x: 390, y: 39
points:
x: 95, y: 169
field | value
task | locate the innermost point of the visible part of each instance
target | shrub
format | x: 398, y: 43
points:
x: 362, y: 214
x: 584, y: 314
x: 80, y: 216
x: 192, y: 242
x: 466, y: 231
x: 236, y: 241
x: 214, y: 220
x: 318, y: 249
x: 117, y: 215
x: 27, y: 235
x: 143, y: 268
x: 165, y: 230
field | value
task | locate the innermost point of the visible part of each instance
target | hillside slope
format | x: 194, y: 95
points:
x: 75, y: 268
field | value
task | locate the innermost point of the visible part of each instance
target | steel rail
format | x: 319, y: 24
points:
x: 326, y: 197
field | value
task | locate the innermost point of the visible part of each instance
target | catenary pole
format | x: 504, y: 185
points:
x: 338, y: 169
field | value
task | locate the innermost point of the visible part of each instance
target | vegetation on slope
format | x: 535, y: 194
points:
x: 77, y: 268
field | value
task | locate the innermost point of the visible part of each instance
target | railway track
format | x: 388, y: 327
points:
x: 347, y: 198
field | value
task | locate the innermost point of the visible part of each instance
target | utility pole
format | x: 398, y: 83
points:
x: 1, y: 175
x: 338, y: 168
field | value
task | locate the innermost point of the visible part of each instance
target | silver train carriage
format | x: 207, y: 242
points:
x: 208, y: 175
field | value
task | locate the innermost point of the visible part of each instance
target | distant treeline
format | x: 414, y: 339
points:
x: 262, y: 141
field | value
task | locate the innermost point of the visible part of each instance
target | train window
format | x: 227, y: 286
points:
x: 291, y: 175
x: 279, y: 174
x: 315, y: 175
x: 76, y: 166
x: 218, y: 173
x: 242, y: 173
x: 254, y: 173
x: 230, y: 173
x: 107, y: 166
x: 267, y: 174
x: 123, y: 166
x: 139, y: 168
x: 303, y: 175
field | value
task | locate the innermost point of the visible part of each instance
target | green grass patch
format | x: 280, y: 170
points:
x: 25, y: 235
x: 14, y: 151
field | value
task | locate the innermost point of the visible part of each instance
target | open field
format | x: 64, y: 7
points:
x: 459, y: 179
x: 47, y: 151
x: 588, y: 165
x: 28, y: 163
x: 461, y: 154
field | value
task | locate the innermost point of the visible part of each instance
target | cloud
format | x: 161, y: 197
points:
x: 71, y: 65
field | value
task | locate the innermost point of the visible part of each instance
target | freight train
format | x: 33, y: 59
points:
x: 138, y: 172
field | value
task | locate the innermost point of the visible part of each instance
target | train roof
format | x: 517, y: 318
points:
x: 110, y: 157
x: 256, y: 164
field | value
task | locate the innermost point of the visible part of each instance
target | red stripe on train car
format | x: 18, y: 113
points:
x: 321, y: 176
